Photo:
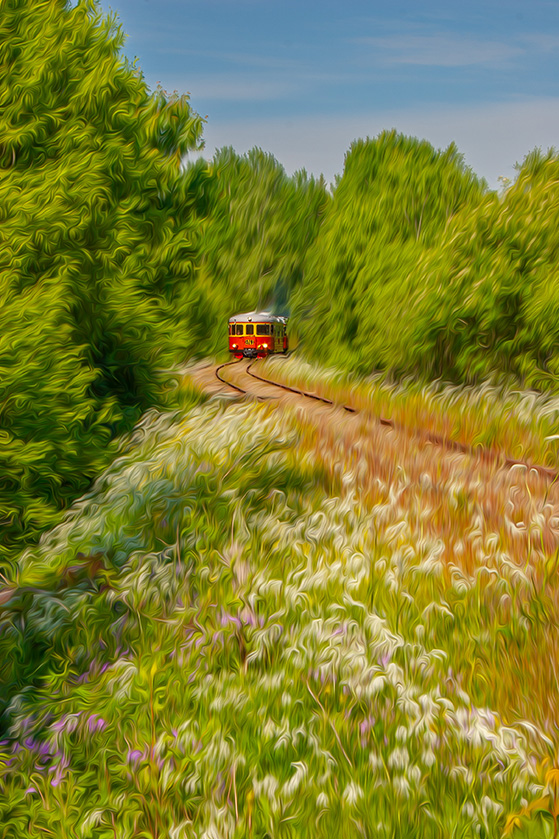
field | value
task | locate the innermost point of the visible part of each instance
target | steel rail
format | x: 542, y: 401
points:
x: 236, y: 387
x: 225, y: 382
x: 297, y: 390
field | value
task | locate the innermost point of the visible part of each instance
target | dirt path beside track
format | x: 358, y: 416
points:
x: 483, y: 517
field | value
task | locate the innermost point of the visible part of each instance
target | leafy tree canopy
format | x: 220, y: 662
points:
x: 94, y: 239
x: 396, y: 196
x: 485, y: 301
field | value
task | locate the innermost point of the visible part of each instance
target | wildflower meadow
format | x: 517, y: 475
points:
x: 283, y: 633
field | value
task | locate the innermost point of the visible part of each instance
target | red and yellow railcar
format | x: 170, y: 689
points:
x: 257, y: 334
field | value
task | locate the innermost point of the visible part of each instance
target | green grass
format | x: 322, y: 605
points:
x: 218, y: 641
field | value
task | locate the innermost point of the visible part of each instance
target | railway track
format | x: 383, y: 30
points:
x: 314, y: 396
x: 248, y: 370
x: 225, y: 382
x: 435, y: 439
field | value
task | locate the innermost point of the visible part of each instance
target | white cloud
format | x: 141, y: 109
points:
x: 542, y: 41
x: 239, y: 89
x: 440, y: 50
x: 491, y: 137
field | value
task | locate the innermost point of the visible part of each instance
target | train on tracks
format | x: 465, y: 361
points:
x: 257, y: 334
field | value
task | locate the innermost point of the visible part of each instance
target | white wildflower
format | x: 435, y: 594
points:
x: 377, y: 684
x: 352, y: 794
x: 490, y: 806
x: 399, y: 758
x: 291, y: 786
x: 402, y: 734
x: 468, y: 809
x: 322, y: 800
x: 428, y: 758
x: 401, y: 785
x: 414, y: 774
x: 375, y: 761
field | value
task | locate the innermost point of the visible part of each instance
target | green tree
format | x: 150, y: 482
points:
x: 485, y: 300
x: 396, y: 196
x: 95, y: 240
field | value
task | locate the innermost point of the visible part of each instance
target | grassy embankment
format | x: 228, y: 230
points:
x: 294, y: 629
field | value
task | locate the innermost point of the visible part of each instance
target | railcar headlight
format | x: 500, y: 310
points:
x: 234, y: 346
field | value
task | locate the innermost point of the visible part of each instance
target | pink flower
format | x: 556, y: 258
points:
x: 95, y: 723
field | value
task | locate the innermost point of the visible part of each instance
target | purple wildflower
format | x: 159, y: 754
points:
x: 95, y: 723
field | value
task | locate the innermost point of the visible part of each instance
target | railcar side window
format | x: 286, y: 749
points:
x: 262, y: 328
x: 249, y: 328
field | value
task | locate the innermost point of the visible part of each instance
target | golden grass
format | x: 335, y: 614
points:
x: 486, y: 518
x: 518, y: 425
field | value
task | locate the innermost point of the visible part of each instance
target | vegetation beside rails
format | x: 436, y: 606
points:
x: 521, y: 425
x: 244, y: 635
x: 419, y: 270
x: 223, y: 620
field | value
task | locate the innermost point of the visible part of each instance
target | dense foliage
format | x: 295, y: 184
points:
x: 485, y: 300
x: 94, y: 237
x: 394, y: 201
x: 419, y: 269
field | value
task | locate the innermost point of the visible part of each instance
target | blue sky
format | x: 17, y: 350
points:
x: 303, y: 79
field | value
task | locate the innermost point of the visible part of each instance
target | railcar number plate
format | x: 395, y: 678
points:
x: 249, y: 342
